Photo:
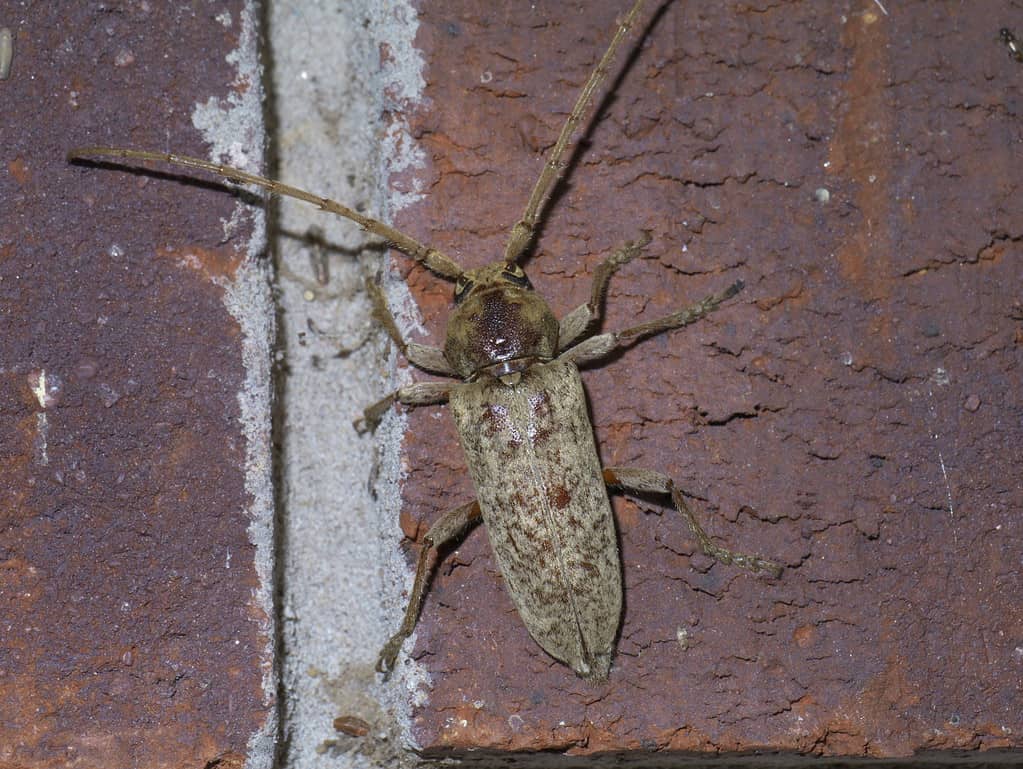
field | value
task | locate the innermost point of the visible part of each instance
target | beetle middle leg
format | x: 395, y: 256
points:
x: 448, y: 527
x: 647, y: 481
x: 419, y: 355
x: 416, y: 394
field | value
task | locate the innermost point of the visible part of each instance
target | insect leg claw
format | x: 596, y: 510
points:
x: 388, y: 655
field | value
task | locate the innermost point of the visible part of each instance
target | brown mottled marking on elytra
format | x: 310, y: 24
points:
x: 540, y: 402
x: 541, y: 428
x: 560, y: 497
x: 542, y: 436
x: 570, y: 609
x: 495, y: 417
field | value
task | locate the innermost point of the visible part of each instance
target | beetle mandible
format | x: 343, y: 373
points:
x: 521, y: 415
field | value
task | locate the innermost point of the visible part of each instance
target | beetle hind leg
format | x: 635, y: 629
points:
x: 448, y: 527
x: 647, y: 481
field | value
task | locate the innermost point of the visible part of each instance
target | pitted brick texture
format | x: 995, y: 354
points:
x: 855, y: 412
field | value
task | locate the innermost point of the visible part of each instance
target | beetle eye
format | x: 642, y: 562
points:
x: 463, y: 285
x: 514, y: 274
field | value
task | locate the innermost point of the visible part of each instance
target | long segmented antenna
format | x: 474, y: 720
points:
x: 431, y: 258
x: 522, y: 233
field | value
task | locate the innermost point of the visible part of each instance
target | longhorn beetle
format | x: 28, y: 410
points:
x: 521, y: 417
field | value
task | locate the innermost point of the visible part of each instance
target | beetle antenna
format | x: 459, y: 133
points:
x: 522, y: 233
x: 434, y: 260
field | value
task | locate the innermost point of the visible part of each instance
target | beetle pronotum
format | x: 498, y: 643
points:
x: 522, y: 417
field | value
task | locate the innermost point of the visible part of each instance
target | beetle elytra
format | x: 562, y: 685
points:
x: 522, y: 419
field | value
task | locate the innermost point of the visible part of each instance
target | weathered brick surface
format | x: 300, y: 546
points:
x: 133, y: 624
x: 855, y: 412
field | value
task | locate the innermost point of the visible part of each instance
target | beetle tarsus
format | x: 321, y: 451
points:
x: 389, y: 654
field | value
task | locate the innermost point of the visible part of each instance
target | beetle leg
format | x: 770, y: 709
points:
x: 448, y: 527
x: 418, y: 394
x: 582, y: 317
x: 419, y: 355
x: 640, y: 481
x: 598, y: 346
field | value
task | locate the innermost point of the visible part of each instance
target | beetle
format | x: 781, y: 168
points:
x: 353, y: 726
x: 521, y: 414
x: 1012, y: 43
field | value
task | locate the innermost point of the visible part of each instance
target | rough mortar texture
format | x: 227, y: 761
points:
x: 136, y: 626
x: 854, y: 413
x: 343, y: 77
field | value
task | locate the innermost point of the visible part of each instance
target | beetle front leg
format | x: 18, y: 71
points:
x: 449, y: 526
x: 574, y: 324
x: 418, y: 394
x: 419, y: 355
x: 640, y: 481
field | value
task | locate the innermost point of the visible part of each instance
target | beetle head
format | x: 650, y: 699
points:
x: 499, y: 323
